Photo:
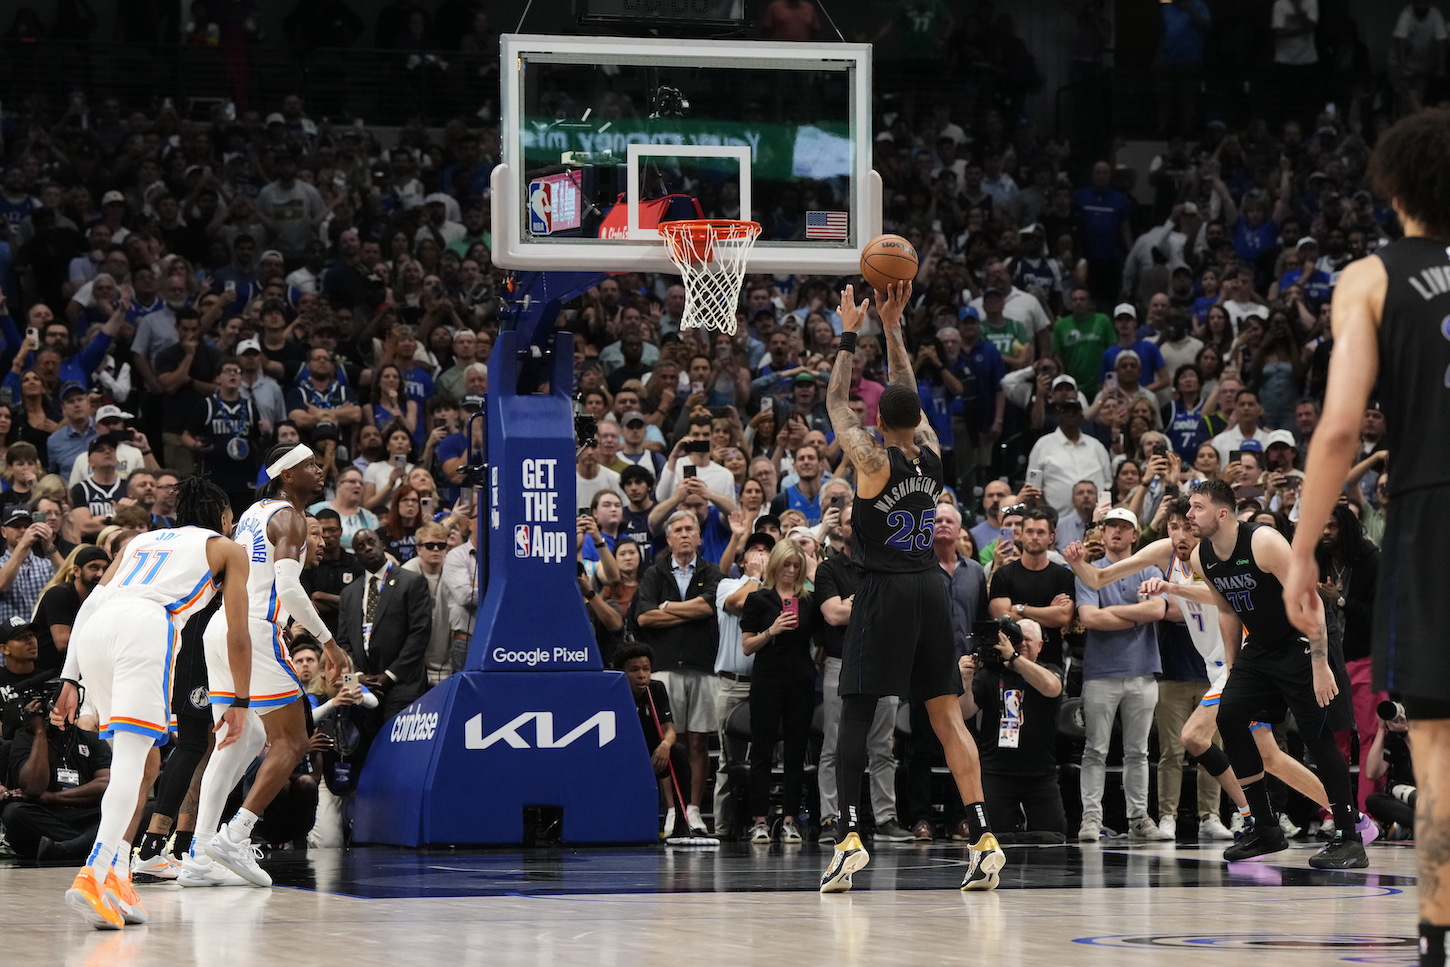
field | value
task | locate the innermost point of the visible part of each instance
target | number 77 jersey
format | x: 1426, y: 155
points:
x: 169, y: 568
x: 893, y: 531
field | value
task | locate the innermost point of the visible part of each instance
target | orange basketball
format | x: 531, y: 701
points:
x: 887, y: 259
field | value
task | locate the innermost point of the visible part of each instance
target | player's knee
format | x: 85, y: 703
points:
x: 1196, y: 737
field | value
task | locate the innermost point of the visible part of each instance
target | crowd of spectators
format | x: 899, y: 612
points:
x: 175, y: 297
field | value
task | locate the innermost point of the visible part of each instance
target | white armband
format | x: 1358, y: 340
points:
x: 292, y: 597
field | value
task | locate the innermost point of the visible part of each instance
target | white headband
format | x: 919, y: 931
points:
x: 289, y: 460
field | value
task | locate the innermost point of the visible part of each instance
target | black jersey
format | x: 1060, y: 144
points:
x: 893, y: 531
x: 1414, y: 346
x: 1254, y: 594
x: 101, y: 500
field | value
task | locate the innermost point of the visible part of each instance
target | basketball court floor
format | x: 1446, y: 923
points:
x: 1057, y: 906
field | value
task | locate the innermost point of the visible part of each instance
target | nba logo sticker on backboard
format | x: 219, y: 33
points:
x: 541, y: 212
x: 521, y: 540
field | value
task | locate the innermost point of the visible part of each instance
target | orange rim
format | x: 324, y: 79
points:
x: 707, y: 229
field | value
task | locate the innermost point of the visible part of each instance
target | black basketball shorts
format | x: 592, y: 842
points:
x: 900, y: 640
x: 1267, y: 681
x: 1412, y: 604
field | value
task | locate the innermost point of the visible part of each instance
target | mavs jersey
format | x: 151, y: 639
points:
x: 893, y: 531
x: 233, y: 430
x: 1186, y: 429
x: 100, y: 499
x: 1414, y: 345
x: 1254, y: 594
x: 168, y: 568
x: 251, y: 533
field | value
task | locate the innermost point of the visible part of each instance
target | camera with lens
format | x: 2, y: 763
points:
x: 14, y: 699
x: 586, y: 432
x: 984, y: 634
x: 1389, y: 711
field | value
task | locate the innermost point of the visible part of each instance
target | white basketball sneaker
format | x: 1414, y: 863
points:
x: 199, y: 870
x: 238, y: 856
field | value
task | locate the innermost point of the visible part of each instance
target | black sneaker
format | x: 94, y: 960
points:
x: 892, y: 831
x: 1341, y: 854
x: 829, y: 831
x: 1257, y: 841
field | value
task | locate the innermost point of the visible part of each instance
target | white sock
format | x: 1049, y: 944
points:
x: 118, y: 804
x: 1244, y: 810
x: 223, y: 772
x: 241, y: 825
x: 121, y: 864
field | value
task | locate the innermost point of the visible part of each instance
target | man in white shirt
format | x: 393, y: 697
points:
x: 733, y: 666
x: 1067, y: 456
x: 1294, y: 22
x: 1019, y: 305
x: 1417, y: 52
x: 1246, y: 414
x: 264, y: 391
x: 688, y: 452
x: 129, y: 458
x: 1238, y: 291
x: 1169, y: 238
x: 592, y: 478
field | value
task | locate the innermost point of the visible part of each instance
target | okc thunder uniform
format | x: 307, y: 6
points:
x: 274, y: 679
x: 128, y: 632
x: 1202, y: 621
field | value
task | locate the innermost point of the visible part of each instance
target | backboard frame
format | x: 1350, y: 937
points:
x: 644, y: 250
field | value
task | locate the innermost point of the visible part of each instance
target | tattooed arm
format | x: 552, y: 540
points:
x: 925, y: 436
x: 892, y: 302
x: 867, y: 455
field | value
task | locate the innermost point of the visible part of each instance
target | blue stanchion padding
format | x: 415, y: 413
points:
x: 460, y: 764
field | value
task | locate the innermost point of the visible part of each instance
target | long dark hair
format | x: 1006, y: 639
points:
x: 201, y: 502
x: 1351, y: 546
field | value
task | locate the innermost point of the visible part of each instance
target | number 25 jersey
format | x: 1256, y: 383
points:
x: 893, y: 531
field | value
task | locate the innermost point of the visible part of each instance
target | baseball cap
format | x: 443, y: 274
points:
x: 632, y: 417
x: 1033, y: 229
x: 14, y: 627
x: 1125, y: 309
x: 1252, y: 446
x: 437, y: 198
x: 104, y: 440
x: 18, y: 515
x: 272, y: 253
x: 112, y: 412
x: 1064, y: 380
x: 1308, y: 240
x: 248, y: 346
x: 1279, y: 436
x: 67, y: 388
x: 966, y: 312
x: 1123, y: 514
x: 275, y: 118
x: 796, y: 532
x: 472, y: 403
x: 1295, y: 475
x: 113, y: 196
x: 805, y: 378
x: 759, y: 539
x: 1189, y: 208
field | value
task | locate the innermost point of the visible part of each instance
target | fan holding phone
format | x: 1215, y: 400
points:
x: 777, y: 625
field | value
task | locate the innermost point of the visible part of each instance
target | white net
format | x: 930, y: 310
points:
x: 712, y: 256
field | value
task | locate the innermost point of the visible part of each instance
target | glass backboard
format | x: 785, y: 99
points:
x: 605, y: 137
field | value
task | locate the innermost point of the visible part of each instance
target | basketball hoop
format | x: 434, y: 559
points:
x: 711, y: 255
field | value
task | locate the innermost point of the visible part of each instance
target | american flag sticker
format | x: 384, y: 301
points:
x: 826, y: 224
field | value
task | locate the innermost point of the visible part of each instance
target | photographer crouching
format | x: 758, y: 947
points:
x: 56, y: 777
x: 1017, y: 740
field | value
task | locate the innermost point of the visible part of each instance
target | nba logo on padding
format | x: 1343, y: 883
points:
x: 521, y: 540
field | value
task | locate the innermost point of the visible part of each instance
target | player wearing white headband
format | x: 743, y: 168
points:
x: 274, y: 532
